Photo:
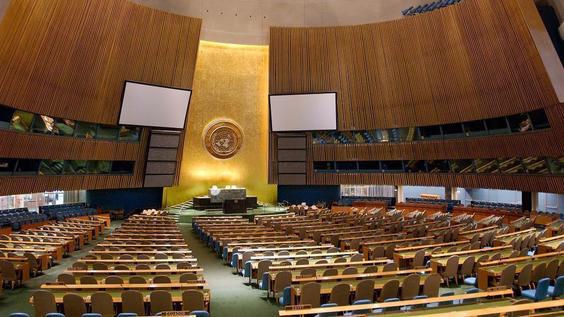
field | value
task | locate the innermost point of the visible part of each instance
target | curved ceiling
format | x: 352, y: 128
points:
x: 249, y: 21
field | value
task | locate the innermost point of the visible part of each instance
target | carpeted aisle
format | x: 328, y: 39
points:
x: 230, y: 297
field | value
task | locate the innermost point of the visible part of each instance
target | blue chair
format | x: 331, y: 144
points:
x: 263, y: 283
x: 447, y: 302
x: 91, y: 315
x: 284, y: 300
x: 362, y: 311
x: 19, y: 315
x: 540, y: 293
x: 127, y: 315
x: 54, y: 315
x: 471, y: 281
x: 558, y: 289
x: 327, y: 314
x: 420, y: 297
x: 200, y: 313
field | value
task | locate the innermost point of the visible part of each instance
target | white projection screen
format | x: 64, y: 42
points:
x: 303, y: 112
x: 154, y: 106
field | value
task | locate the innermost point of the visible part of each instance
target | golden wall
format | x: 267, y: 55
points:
x: 230, y: 82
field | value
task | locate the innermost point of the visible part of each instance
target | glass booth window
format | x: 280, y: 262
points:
x: 122, y: 167
x: 430, y: 132
x: 392, y: 166
x: 51, y: 167
x: 474, y: 128
x: 539, y: 119
x: 346, y: 166
x: 107, y: 132
x: 535, y: 165
x: 519, y: 123
x: 369, y: 165
x: 462, y: 166
x: 497, y: 125
x: 21, y: 121
x: 99, y: 167
x: 76, y: 167
x: 487, y: 166
x: 27, y: 167
x: 43, y: 124
x: 556, y: 165
x: 7, y: 166
x: 324, y: 166
x: 438, y: 166
x: 86, y: 130
x: 64, y: 127
x: 129, y: 133
x: 415, y: 166
x: 511, y: 165
x: 6, y: 115
x: 453, y: 130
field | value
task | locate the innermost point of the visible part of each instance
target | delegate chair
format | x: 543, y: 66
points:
x: 410, y: 287
x: 389, y: 290
x: 432, y: 285
x: 524, y: 278
x: 102, y: 303
x: 558, y: 289
x: 74, y: 305
x: 44, y: 303
x: 508, y: 276
x: 192, y: 300
x: 132, y: 302
x: 539, y: 293
x: 160, y: 301
x: 364, y: 290
x: 311, y: 295
x: 66, y: 278
x: 340, y: 294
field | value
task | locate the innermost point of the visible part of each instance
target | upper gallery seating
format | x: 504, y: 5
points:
x: 15, y: 218
x: 144, y: 267
x: 61, y: 212
x: 368, y: 260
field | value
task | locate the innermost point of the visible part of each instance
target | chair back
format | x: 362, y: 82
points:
x: 161, y: 279
x: 299, y: 262
x: 102, y: 303
x: 558, y: 287
x: 432, y: 285
x: 44, y: 303
x: 136, y: 279
x: 66, y: 278
x: 419, y: 258
x: 8, y: 271
x: 467, y: 267
x: 539, y: 272
x: 340, y: 260
x: 113, y: 280
x: 282, y: 280
x: 308, y: 272
x: 132, y: 302
x: 263, y: 267
x: 188, y: 277
x: 88, y: 279
x: 524, y: 278
x: 311, y: 294
x: 160, y: 301
x: 330, y: 272
x: 192, y: 300
x: 542, y: 289
x: 371, y: 269
x: 74, y: 305
x: 410, y: 286
x: 389, y: 290
x: 350, y: 271
x: 451, y: 268
x: 99, y: 266
x: 508, y: 276
x: 552, y: 269
x: 378, y: 252
x: 340, y: 294
x: 364, y: 290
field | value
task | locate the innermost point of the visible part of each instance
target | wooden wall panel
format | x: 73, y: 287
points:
x: 473, y: 60
x: 536, y: 183
x: 70, y: 58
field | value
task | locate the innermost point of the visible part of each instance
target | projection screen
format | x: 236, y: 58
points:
x: 154, y: 106
x: 303, y: 112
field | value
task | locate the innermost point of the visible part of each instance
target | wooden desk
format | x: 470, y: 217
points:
x: 139, y: 261
x: 438, y: 261
x: 42, y: 256
x: 550, y: 244
x: 124, y: 286
x: 21, y: 265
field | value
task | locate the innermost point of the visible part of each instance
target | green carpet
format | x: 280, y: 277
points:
x: 229, y: 294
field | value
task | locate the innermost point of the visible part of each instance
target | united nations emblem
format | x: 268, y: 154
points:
x: 223, y: 138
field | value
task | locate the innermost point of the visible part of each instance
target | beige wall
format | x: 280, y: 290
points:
x: 248, y: 21
x: 231, y: 82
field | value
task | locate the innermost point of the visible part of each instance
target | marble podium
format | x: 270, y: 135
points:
x: 219, y: 195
